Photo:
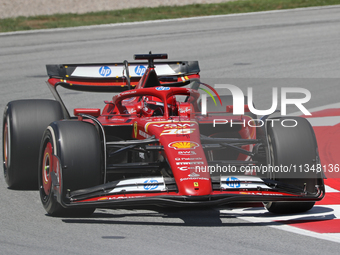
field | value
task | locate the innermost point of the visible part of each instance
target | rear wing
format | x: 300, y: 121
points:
x: 116, y: 70
x: 111, y: 77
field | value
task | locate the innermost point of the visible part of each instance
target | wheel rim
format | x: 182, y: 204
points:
x: 47, y: 168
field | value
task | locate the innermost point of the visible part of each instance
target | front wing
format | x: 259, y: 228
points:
x: 162, y: 191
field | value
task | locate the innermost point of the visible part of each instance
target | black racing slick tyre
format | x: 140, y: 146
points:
x: 77, y: 146
x: 289, y: 207
x: 292, y: 144
x: 24, y: 122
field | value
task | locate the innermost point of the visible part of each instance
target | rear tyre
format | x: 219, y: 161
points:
x: 77, y: 146
x: 24, y: 123
x: 293, y: 146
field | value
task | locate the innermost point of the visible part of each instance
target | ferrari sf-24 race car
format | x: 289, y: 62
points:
x: 153, y: 145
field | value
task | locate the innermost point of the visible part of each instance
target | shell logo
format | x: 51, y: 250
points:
x: 183, y: 145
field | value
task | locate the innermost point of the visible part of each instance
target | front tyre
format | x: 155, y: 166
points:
x: 70, y: 159
x: 294, y: 146
x: 289, y: 207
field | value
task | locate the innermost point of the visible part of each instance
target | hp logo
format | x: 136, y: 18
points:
x: 105, y: 71
x: 233, y: 182
x: 150, y: 184
x: 140, y: 70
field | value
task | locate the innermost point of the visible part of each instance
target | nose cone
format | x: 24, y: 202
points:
x: 185, y: 155
x: 186, y: 159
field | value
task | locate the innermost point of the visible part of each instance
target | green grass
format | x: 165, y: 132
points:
x: 141, y: 14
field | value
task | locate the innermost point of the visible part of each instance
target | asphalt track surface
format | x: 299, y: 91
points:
x: 289, y: 48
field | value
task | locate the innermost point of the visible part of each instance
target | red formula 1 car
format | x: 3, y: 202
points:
x: 153, y: 145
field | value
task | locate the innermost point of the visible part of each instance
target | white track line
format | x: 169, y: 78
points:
x: 266, y: 218
x: 330, y: 189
